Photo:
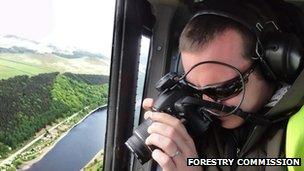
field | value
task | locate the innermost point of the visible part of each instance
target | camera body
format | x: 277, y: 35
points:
x: 177, y: 99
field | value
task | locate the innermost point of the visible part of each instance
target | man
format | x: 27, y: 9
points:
x: 215, y: 38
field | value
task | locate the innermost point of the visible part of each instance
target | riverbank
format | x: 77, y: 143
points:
x: 96, y: 163
x: 36, y: 149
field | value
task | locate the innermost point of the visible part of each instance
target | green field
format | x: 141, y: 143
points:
x: 12, y: 67
x: 13, y: 64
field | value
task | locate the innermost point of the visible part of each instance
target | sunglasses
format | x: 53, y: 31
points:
x: 224, y: 90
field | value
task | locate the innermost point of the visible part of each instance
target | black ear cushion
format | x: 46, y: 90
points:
x: 283, y: 55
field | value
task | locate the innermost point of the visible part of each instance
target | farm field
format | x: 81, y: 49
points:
x: 13, y: 67
x: 12, y: 64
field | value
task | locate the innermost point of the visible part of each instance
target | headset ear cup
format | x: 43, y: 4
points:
x: 283, y: 55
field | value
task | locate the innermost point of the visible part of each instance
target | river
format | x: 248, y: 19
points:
x: 78, y: 147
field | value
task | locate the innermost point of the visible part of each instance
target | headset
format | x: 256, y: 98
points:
x: 278, y: 50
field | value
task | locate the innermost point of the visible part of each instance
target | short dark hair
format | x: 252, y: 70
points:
x: 202, y: 29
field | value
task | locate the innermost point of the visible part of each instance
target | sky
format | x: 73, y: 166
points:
x: 84, y: 24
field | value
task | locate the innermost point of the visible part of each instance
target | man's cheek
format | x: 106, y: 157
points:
x: 235, y: 101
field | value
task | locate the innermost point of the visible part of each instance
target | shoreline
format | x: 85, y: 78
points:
x: 98, y: 158
x: 27, y: 164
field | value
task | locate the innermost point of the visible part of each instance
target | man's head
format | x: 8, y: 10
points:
x: 214, y: 38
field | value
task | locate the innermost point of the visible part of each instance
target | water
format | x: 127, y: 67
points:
x: 78, y: 147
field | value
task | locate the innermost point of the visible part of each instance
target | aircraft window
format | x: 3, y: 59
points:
x: 144, y: 54
x: 143, y: 61
x: 54, y: 74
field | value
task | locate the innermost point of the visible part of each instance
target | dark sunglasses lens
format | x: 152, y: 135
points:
x: 223, y: 92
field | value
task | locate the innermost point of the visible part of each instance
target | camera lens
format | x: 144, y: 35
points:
x: 136, y: 143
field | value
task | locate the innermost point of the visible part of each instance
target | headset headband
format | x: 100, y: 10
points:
x: 280, y: 64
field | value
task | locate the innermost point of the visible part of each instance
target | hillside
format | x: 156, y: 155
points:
x: 20, y: 56
x: 13, y: 64
x: 28, y: 104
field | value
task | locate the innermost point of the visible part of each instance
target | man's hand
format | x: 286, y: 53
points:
x: 171, y: 137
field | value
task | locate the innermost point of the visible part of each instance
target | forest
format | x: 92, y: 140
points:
x: 28, y: 104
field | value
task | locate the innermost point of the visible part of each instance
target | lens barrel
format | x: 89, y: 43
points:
x: 136, y: 143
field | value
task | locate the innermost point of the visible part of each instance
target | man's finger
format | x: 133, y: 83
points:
x: 162, y: 142
x: 147, y: 103
x: 172, y: 134
x: 163, y: 160
x: 171, y: 121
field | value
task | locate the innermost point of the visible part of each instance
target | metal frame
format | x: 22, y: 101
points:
x: 158, y: 59
x: 130, y: 23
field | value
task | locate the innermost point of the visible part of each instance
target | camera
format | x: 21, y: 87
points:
x: 177, y: 99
